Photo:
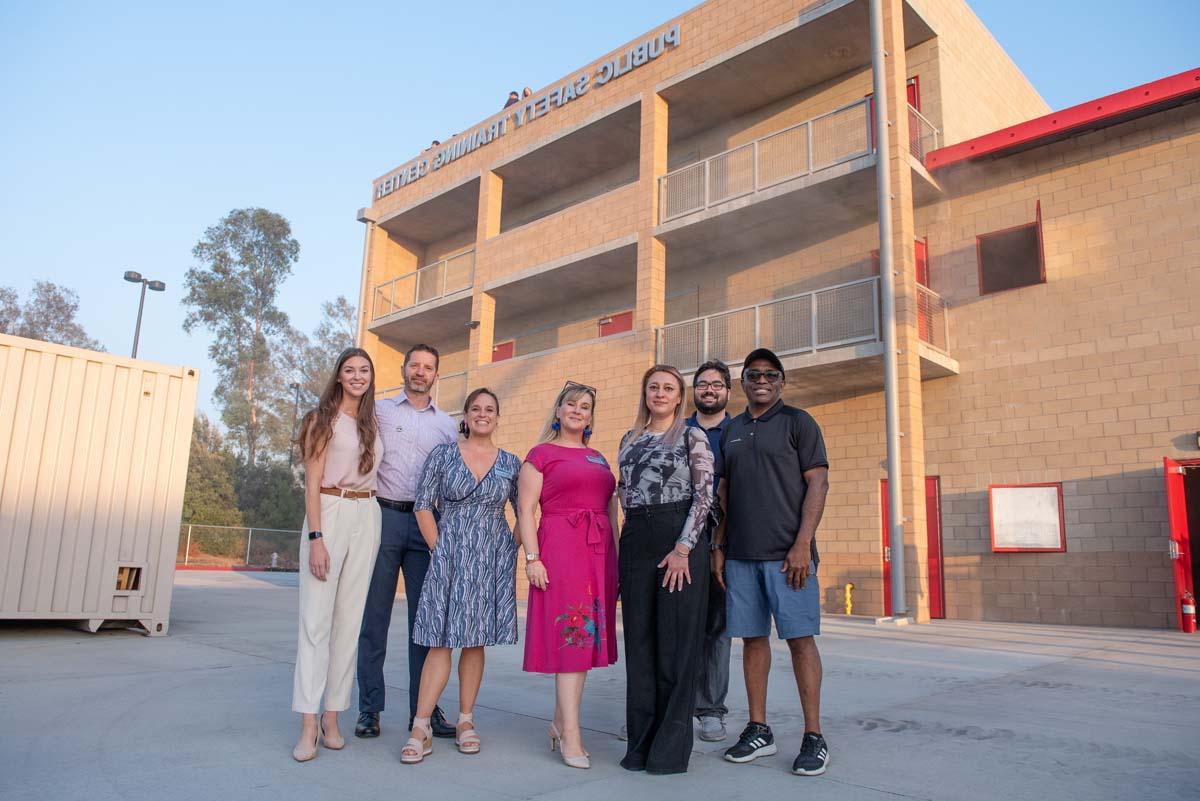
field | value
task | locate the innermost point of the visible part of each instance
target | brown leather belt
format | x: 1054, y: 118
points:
x: 354, y: 495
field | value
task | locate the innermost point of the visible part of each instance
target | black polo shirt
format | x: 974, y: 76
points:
x: 764, y: 460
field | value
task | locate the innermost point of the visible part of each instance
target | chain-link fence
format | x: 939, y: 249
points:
x: 237, y: 546
x: 830, y: 139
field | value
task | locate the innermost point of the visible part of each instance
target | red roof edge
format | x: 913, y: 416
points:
x: 1086, y: 116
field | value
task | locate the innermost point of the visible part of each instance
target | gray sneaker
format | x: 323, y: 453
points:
x: 712, y: 729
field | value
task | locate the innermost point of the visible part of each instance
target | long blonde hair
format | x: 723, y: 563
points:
x: 642, y: 419
x: 569, y: 392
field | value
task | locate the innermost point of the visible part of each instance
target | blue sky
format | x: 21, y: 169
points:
x: 126, y: 128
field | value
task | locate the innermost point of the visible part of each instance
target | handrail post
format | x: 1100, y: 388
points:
x: 809, y: 133
x: 812, y: 319
x: 757, y: 327
x: 754, y: 166
x: 704, y: 342
x: 707, y: 163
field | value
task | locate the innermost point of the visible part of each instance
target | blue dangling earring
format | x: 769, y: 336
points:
x: 587, y: 432
x: 556, y: 425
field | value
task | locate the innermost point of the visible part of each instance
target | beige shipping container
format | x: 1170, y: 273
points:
x: 93, y: 462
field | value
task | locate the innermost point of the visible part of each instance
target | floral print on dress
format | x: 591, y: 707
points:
x: 580, y: 625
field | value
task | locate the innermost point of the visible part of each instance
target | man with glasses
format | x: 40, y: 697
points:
x: 710, y: 395
x: 774, y: 481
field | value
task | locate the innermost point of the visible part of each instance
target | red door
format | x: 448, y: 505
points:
x: 933, y: 520
x: 1180, y: 545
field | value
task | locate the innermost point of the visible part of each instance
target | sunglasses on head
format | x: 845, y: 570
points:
x: 571, y: 385
x: 772, y: 376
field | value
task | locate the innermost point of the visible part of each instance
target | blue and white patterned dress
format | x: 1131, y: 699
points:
x: 470, y: 593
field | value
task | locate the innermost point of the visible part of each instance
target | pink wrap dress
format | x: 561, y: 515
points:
x: 571, y: 625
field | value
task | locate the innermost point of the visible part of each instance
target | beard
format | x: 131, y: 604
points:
x: 710, y: 408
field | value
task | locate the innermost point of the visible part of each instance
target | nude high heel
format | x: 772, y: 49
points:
x: 302, y: 754
x: 583, y: 762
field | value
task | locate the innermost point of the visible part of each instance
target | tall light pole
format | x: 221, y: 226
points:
x: 295, y: 387
x: 135, y: 277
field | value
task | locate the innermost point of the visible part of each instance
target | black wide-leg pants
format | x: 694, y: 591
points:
x: 664, y: 637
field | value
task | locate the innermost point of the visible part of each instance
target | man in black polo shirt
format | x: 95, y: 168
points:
x: 774, y: 479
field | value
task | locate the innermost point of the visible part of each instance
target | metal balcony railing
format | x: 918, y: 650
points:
x: 845, y: 314
x: 836, y: 316
x: 933, y: 319
x: 832, y: 138
x: 449, y: 393
x: 421, y: 286
x: 922, y: 135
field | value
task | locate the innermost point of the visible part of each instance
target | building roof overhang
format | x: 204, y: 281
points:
x: 1103, y: 112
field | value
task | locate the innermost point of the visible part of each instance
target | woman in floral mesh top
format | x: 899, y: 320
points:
x: 666, y: 490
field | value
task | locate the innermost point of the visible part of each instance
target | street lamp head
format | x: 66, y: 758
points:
x: 133, y: 277
x: 294, y: 385
x: 156, y: 286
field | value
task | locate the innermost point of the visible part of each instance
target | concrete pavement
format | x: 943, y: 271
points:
x: 951, y: 710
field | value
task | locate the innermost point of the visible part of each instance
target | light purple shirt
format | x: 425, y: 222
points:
x: 408, y: 437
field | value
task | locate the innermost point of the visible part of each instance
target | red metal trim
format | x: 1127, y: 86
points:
x: 1098, y: 113
x: 1062, y: 520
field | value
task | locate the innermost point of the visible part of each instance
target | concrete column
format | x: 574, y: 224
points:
x: 651, y: 253
x: 491, y: 197
x: 912, y: 442
x: 483, y: 309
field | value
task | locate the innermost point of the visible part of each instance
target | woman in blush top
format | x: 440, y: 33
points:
x: 340, y: 446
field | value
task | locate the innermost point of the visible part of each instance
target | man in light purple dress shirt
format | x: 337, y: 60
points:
x: 410, y: 426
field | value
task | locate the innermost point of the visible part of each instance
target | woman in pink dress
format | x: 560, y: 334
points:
x: 571, y: 561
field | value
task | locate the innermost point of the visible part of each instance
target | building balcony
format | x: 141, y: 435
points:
x: 833, y: 335
x: 432, y: 304
x: 431, y: 282
x: 826, y: 40
x: 813, y: 149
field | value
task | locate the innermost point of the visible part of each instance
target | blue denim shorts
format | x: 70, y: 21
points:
x: 758, y: 591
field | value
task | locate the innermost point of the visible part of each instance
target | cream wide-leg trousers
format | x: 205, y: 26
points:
x: 331, y: 611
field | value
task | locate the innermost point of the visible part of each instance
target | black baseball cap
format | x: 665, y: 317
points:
x: 766, y: 355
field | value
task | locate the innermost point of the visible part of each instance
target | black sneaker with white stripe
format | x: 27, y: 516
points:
x: 756, y: 741
x: 813, y: 757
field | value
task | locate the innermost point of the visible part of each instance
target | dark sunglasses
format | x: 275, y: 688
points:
x: 772, y: 376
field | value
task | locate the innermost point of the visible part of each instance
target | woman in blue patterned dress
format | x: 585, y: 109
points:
x: 469, y: 599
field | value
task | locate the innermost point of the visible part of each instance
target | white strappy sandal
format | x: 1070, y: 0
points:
x: 414, y: 751
x: 468, y: 741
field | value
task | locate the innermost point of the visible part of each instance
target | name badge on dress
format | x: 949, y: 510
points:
x: 502, y: 472
x: 597, y: 459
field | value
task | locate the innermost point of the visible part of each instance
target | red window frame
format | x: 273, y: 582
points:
x: 1062, y: 520
x: 912, y: 91
x: 1037, y: 226
x: 617, y: 323
x: 920, y: 256
x: 502, y: 350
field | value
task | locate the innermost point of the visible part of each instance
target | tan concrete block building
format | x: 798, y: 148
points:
x: 711, y: 187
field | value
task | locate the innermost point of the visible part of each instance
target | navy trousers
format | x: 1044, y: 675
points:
x: 401, y: 549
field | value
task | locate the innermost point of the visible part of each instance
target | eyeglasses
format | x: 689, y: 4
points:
x: 716, y: 386
x: 753, y: 376
x: 572, y: 385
